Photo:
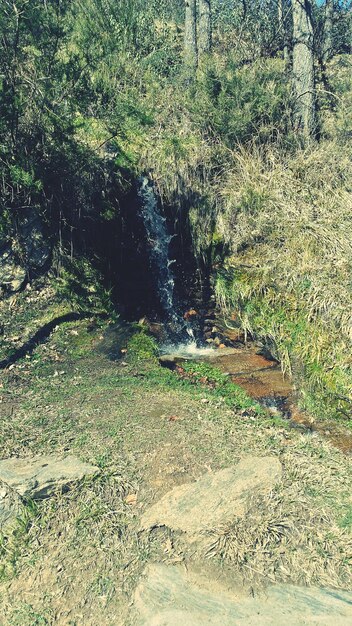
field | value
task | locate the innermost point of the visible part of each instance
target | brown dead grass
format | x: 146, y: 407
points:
x: 285, y: 537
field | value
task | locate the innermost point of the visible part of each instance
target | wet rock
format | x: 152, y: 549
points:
x: 214, y: 499
x: 40, y: 477
x: 10, y: 506
x: 168, y: 360
x: 170, y: 596
x: 190, y: 314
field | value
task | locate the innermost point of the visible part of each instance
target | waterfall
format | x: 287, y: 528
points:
x: 159, y: 240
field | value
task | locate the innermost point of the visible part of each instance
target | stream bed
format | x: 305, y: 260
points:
x: 264, y: 381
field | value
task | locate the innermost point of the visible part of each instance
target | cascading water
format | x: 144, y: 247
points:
x: 159, y: 240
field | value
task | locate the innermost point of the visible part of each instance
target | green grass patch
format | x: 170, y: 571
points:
x: 142, y: 347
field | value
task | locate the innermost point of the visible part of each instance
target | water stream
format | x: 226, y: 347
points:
x: 159, y: 242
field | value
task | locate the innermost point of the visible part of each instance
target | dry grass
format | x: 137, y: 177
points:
x: 288, y: 222
x: 297, y: 215
x: 78, y: 556
x: 283, y: 538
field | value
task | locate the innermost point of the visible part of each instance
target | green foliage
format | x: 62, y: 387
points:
x: 232, y: 395
x: 249, y: 101
x: 81, y: 285
x: 142, y: 347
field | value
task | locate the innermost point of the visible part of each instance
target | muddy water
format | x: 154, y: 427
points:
x: 263, y: 380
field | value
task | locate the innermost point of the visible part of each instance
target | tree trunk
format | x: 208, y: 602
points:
x: 190, y: 45
x: 303, y: 69
x: 283, y: 18
x: 328, y: 26
x: 204, y: 27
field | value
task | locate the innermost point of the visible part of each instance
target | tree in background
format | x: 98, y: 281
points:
x: 190, y: 46
x: 303, y: 69
x: 328, y: 31
x: 284, y: 13
x: 204, y: 28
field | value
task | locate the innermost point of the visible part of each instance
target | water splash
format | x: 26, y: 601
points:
x: 188, y: 350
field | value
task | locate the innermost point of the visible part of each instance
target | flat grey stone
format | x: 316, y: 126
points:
x: 10, y: 506
x: 214, y: 499
x: 168, y: 596
x: 40, y: 477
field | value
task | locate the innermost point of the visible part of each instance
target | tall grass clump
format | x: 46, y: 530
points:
x: 288, y: 222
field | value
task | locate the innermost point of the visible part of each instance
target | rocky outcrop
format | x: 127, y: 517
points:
x: 170, y: 596
x: 23, y: 254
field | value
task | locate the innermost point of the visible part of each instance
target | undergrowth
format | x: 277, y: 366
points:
x: 289, y: 228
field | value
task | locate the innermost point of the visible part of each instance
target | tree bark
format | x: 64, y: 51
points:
x: 328, y: 26
x: 282, y: 17
x: 303, y: 69
x: 204, y: 27
x: 190, y: 43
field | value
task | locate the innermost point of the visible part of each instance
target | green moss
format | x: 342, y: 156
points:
x: 142, y: 347
x: 232, y: 395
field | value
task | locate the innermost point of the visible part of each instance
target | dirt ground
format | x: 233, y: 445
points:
x: 75, y: 559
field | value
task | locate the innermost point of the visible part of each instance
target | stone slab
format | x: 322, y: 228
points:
x: 214, y: 499
x: 40, y: 477
x: 167, y: 596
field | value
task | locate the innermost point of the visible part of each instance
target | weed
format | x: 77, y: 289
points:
x: 25, y: 615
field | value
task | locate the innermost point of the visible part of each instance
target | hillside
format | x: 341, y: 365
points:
x: 175, y: 312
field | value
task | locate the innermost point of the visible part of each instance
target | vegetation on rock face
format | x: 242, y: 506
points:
x: 288, y: 222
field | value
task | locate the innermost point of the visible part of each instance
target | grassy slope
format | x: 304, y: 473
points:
x: 275, y: 218
x: 75, y: 559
